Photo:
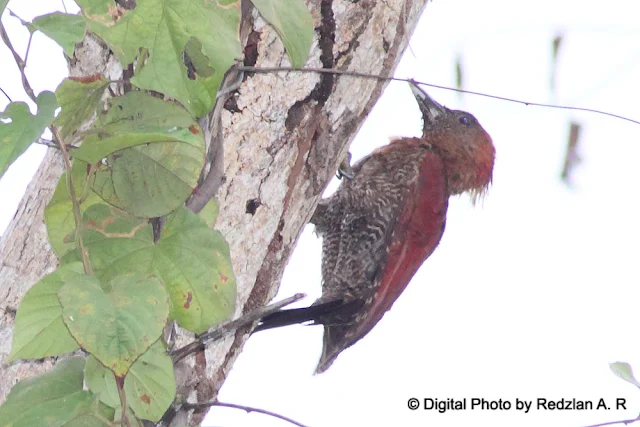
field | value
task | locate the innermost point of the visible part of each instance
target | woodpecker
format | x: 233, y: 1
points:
x: 387, y: 219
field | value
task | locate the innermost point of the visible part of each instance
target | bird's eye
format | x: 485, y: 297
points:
x: 465, y: 120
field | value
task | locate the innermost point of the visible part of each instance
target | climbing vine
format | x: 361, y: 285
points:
x: 132, y: 257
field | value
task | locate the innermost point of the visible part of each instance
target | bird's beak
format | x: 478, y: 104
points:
x: 431, y: 110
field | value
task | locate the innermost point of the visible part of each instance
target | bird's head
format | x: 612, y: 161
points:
x: 465, y: 147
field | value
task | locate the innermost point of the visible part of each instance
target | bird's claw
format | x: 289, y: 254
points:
x: 345, y: 170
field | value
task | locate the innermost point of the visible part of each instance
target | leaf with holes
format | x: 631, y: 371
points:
x: 39, y: 330
x: 162, y: 28
x: 192, y: 260
x: 55, y: 397
x: 19, y: 128
x: 118, y: 322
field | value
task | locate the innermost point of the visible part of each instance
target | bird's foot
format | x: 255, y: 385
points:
x: 345, y: 170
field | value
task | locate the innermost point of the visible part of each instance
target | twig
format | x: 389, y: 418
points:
x: 376, y: 77
x: 230, y: 326
x: 5, y: 94
x: 26, y: 54
x: 610, y: 423
x: 247, y: 409
x: 51, y: 144
x: 19, y: 62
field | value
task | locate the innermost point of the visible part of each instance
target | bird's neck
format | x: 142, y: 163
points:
x: 468, y: 174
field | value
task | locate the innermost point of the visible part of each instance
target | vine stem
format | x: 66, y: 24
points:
x: 124, y: 419
x: 247, y: 409
x: 19, y: 62
x: 611, y: 423
x: 77, y: 215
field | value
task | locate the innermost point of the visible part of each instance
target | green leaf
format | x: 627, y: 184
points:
x: 149, y: 181
x: 3, y: 4
x: 210, y: 212
x: 117, y: 416
x: 79, y: 102
x: 135, y: 119
x: 195, y: 263
x: 39, y: 330
x: 191, y: 259
x: 95, y: 148
x: 58, y: 215
x: 19, y: 128
x: 624, y: 371
x: 65, y: 29
x: 102, y: 382
x: 293, y: 22
x: 27, y: 24
x: 136, y: 110
x: 118, y: 323
x: 164, y: 27
x: 54, y: 398
x: 150, y: 385
x: 152, y: 153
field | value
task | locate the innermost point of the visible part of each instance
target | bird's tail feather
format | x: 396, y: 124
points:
x: 320, y: 314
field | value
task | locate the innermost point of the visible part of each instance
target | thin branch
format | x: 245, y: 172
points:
x: 230, y: 326
x: 247, y: 409
x: 5, y: 94
x: 19, y: 62
x: 26, y: 54
x: 376, y: 77
x: 611, y: 423
x: 52, y: 144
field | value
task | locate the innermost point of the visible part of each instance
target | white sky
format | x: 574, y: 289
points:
x: 529, y: 295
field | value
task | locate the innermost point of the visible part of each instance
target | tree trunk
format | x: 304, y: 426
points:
x: 282, y: 145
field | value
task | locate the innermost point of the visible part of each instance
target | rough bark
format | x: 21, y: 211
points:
x: 281, y: 147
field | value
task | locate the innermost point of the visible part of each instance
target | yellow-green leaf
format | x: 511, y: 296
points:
x: 116, y: 322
